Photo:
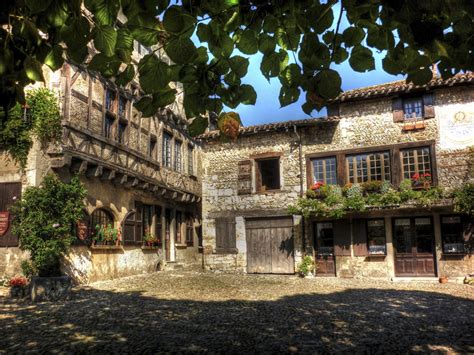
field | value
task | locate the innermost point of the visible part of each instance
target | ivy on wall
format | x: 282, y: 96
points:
x: 332, y: 201
x: 39, y: 118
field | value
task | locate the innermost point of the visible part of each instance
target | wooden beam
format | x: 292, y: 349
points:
x: 82, y: 167
x: 145, y: 186
x: 135, y: 182
x: 95, y: 171
x: 124, y: 179
x: 155, y: 189
x: 111, y: 175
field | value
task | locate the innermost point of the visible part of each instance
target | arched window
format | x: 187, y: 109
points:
x: 101, y: 217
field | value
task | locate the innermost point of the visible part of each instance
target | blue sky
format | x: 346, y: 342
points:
x: 267, y: 108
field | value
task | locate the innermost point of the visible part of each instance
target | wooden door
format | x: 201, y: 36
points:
x: 414, y: 247
x: 324, y: 244
x: 9, y: 193
x: 270, y: 245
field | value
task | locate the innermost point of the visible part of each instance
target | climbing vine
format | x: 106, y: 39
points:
x: 40, y: 117
x: 332, y: 201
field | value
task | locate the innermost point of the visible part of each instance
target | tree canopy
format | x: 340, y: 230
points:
x: 300, y: 41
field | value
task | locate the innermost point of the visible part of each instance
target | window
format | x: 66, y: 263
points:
x: 122, y: 128
x: 133, y: 225
x: 110, y: 100
x: 416, y: 161
x: 413, y: 234
x: 122, y: 107
x: 325, y: 238
x: 147, y: 213
x: 189, y: 230
x: 178, y: 161
x: 152, y: 147
x: 368, y: 167
x: 190, y: 160
x: 100, y: 218
x: 179, y: 221
x: 413, y: 108
x: 158, y: 225
x: 376, y: 236
x: 108, y: 126
x: 167, y: 150
x: 325, y: 170
x: 225, y: 235
x: 452, y: 234
x: 268, y: 174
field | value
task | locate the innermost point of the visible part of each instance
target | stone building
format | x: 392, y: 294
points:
x: 142, y: 176
x: 385, y: 132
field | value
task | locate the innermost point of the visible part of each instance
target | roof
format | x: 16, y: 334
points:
x: 399, y: 86
x: 271, y: 127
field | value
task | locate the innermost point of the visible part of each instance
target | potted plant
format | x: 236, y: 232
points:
x: 149, y: 239
x: 318, y: 190
x: 306, y: 266
x: 421, y: 181
x: 106, y: 235
x: 42, y: 221
x: 18, y: 287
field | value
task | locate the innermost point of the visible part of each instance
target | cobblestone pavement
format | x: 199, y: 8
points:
x: 192, y: 311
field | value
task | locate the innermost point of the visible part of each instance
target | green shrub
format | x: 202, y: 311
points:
x: 406, y: 190
x: 43, y: 221
x: 391, y: 197
x: 27, y: 269
x: 306, y: 266
x: 371, y: 186
x: 385, y: 187
x: 464, y: 199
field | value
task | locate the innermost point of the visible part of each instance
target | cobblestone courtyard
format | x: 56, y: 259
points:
x: 192, y: 311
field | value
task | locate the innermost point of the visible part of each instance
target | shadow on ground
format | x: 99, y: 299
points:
x: 370, y: 320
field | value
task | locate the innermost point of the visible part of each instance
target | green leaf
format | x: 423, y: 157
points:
x: 272, y: 64
x: 55, y: 59
x: 154, y: 74
x: 107, y: 66
x: 247, y: 42
x: 202, y: 57
x: 239, y: 65
x: 287, y: 39
x: 266, y: 43
x: 125, y: 76
x: 198, y: 126
x: 146, y: 107
x: 175, y: 21
x: 308, y: 108
x: 204, y: 32
x: 328, y: 83
x: 270, y: 24
x: 288, y: 95
x: 340, y: 55
x: 391, y: 66
x: 421, y: 76
x: 321, y: 17
x: 291, y: 76
x: 57, y: 13
x: 165, y: 98
x: 353, y: 36
x: 248, y: 96
x: 222, y: 47
x: 33, y: 69
x: 181, y: 50
x: 37, y: 6
x: 105, y: 11
x: 105, y: 39
x: 361, y: 59
x: 76, y: 32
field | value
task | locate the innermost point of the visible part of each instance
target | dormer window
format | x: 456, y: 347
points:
x: 413, y: 108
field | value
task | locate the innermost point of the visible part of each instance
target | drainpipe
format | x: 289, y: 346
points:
x: 300, y: 154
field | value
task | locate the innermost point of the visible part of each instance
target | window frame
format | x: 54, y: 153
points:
x: 259, y: 178
x: 461, y: 236
x: 105, y: 212
x: 178, y: 156
x: 190, y: 160
x: 369, y: 253
x: 325, y: 169
x: 416, y: 162
x: 166, y: 154
x: 410, y: 100
x: 189, y: 230
x: 368, y: 167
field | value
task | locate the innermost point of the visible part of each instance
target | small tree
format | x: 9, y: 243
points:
x: 43, y: 221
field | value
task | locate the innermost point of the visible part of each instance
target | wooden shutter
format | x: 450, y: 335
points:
x: 333, y: 110
x: 9, y: 193
x: 342, y: 237
x: 397, y: 109
x: 428, y: 105
x: 245, y: 177
x: 359, y: 231
x: 468, y: 234
x: 225, y: 235
x: 128, y: 229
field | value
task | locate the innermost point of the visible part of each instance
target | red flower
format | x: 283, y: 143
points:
x: 18, y: 281
x: 415, y: 176
x: 427, y: 175
x: 317, y: 185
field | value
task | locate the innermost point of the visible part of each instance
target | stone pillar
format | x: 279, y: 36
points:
x: 438, y: 244
x: 173, y: 235
x: 163, y: 232
x: 241, y: 243
x: 390, y: 260
x: 297, y: 238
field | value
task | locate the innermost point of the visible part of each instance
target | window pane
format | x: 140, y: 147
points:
x: 413, y: 108
x: 166, y: 150
x: 368, y: 167
x: 325, y: 170
x: 177, y: 156
x: 452, y: 234
x: 376, y: 236
x: 416, y: 161
x: 269, y: 170
x: 403, y: 235
x: 325, y: 238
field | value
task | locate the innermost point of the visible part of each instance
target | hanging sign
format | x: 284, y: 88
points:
x: 4, y: 223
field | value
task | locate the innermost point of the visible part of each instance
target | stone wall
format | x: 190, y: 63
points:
x: 362, y: 124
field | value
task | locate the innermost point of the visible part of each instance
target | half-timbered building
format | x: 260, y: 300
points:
x: 387, y: 132
x: 141, y: 175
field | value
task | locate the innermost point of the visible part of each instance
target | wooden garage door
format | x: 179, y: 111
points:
x: 270, y: 245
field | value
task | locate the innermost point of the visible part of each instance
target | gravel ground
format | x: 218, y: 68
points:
x: 192, y: 311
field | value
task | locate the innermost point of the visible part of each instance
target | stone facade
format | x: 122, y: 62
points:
x: 360, y: 124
